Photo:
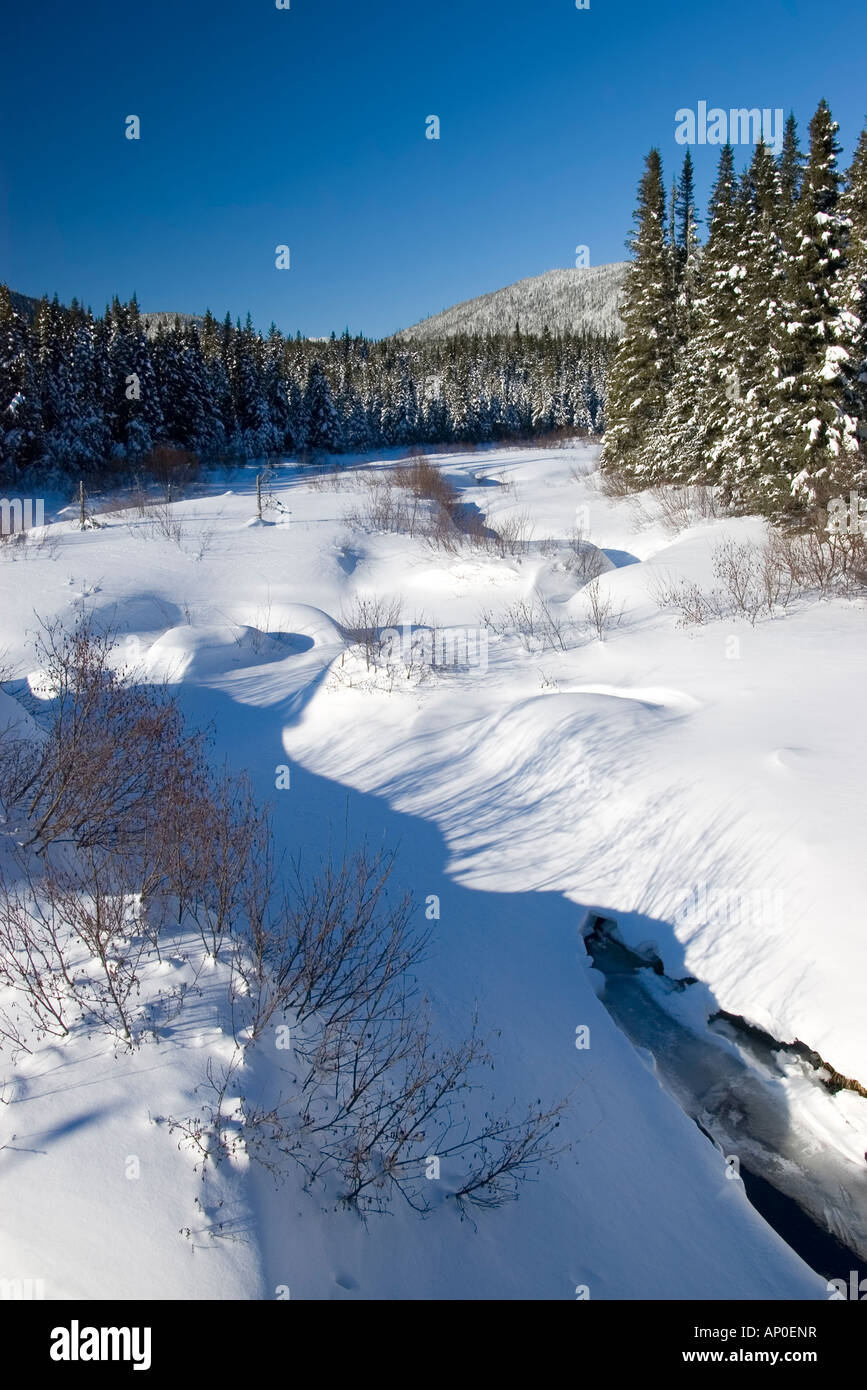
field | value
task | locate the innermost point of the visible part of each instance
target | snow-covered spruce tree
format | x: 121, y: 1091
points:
x: 462, y: 403
x: 687, y: 252
x: 643, y: 368
x: 135, y: 413
x: 791, y: 164
x: 674, y: 261
x: 322, y: 421
x: 50, y: 366
x: 813, y: 451
x: 853, y: 204
x: 247, y: 379
x: 190, y: 415
x: 82, y: 438
x: 356, y: 423
x: 20, y: 415
x: 278, y: 431
x: 745, y: 463
x: 684, y: 445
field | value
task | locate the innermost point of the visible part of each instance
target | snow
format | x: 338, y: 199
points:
x: 562, y: 300
x: 629, y: 776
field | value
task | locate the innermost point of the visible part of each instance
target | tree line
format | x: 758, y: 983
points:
x: 744, y: 361
x: 86, y: 395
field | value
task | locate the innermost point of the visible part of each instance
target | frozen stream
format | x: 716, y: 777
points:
x: 738, y: 1088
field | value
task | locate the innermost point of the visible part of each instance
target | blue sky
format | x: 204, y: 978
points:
x: 306, y: 127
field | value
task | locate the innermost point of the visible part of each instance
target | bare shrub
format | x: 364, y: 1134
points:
x: 514, y: 534
x: 94, y: 779
x: 365, y: 621
x: 73, y: 949
x: 604, y: 614
x: 331, y: 480
x: 174, y: 469
x: 368, y: 1092
x: 776, y: 574
x: 136, y: 500
x: 821, y: 562
x: 435, y: 510
x: 534, y: 621
x: 422, y: 479
x: 28, y: 545
x: 416, y: 499
x: 91, y: 902
x: 384, y: 508
x: 680, y: 507
x: 119, y: 826
x: 744, y: 579
x: 160, y: 522
x: 33, y: 969
x: 585, y: 562
x: 333, y: 943
x: 224, y: 844
x: 615, y: 483
x: 755, y: 580
x: 687, y: 598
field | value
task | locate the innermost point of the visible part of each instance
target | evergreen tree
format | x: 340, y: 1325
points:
x: 322, y: 422
x: 85, y: 395
x: 643, y: 368
x: 745, y: 466
x: 853, y: 205
x: 791, y: 164
x: 686, y: 250
x: 20, y: 415
x: 815, y: 447
x: 134, y: 412
x: 686, y: 444
x: 275, y: 389
x: 253, y: 436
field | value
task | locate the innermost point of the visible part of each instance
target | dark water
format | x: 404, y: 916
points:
x: 812, y: 1196
x: 816, y: 1247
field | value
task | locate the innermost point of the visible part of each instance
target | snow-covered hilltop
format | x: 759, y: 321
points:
x: 573, y: 300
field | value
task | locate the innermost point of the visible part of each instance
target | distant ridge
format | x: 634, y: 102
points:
x: 26, y: 306
x: 571, y: 300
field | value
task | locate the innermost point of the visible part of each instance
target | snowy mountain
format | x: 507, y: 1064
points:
x: 561, y: 300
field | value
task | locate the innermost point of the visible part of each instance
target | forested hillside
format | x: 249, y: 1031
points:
x: 82, y: 394
x: 581, y: 299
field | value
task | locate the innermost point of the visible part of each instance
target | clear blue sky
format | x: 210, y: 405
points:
x: 306, y: 127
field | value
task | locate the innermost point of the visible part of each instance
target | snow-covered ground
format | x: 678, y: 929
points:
x: 699, y: 786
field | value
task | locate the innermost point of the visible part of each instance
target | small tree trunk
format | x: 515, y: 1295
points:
x: 82, y: 514
x: 259, y: 495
